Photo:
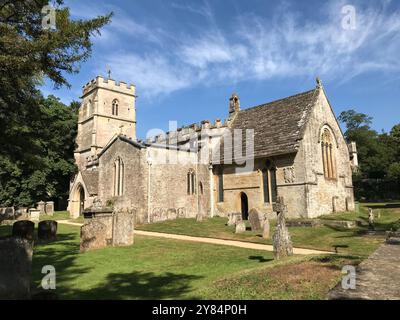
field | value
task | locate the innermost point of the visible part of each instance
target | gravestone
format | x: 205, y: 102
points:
x: 47, y: 230
x: 199, y: 217
x: 240, y: 227
x: 371, y: 219
x: 15, y: 268
x: 93, y: 235
x: 233, y: 218
x: 254, y: 219
x: 50, y: 208
x: 34, y: 215
x: 41, y: 206
x: 23, y: 229
x: 171, y: 214
x: 281, y: 239
x: 123, y: 229
x: 9, y: 213
x: 182, y: 212
x: 21, y: 214
x: 266, y: 229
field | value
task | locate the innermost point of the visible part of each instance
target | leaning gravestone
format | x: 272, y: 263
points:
x: 23, y: 229
x: 254, y: 219
x: 240, y: 227
x: 266, y: 229
x: 47, y: 230
x: 281, y: 239
x: 93, y: 235
x: 15, y: 268
x: 123, y: 229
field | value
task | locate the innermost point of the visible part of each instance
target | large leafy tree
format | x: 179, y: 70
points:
x: 378, y: 154
x: 37, y: 134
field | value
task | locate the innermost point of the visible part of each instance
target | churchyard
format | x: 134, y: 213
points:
x: 160, y: 268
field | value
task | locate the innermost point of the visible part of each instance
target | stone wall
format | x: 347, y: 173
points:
x: 135, y: 180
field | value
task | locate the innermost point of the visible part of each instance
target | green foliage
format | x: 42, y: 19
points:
x: 378, y: 153
x: 37, y: 134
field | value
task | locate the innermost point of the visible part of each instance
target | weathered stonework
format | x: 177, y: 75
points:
x: 170, y: 176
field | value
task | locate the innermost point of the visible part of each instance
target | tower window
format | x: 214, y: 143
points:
x: 115, y: 107
x: 328, y: 155
x: 191, y: 182
x: 119, y: 173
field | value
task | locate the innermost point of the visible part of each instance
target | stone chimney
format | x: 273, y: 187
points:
x: 234, y: 104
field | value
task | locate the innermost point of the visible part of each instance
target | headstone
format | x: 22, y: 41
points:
x: 266, y: 229
x: 123, y: 229
x: 21, y: 214
x: 41, y: 206
x: 47, y: 230
x: 254, y: 219
x: 182, y: 212
x: 34, y: 215
x: 93, y: 235
x: 281, y: 239
x: 199, y: 217
x: 171, y: 214
x: 371, y: 219
x: 240, y: 227
x: 9, y: 213
x: 15, y: 268
x: 50, y: 208
x: 23, y: 229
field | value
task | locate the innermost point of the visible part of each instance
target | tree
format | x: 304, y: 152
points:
x: 37, y: 134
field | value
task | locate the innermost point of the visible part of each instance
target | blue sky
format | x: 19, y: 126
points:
x: 187, y: 57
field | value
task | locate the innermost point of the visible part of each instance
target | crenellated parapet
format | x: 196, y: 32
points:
x: 110, y: 84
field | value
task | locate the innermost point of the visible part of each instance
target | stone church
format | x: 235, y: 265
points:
x: 291, y: 147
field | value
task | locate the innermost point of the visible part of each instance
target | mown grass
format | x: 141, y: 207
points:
x: 340, y: 240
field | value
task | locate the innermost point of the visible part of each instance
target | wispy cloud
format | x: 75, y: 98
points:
x: 255, y: 47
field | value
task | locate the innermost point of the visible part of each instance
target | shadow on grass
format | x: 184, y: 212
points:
x: 139, y: 285
x: 259, y: 258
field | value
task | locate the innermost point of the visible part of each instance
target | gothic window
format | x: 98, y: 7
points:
x: 270, y: 188
x: 115, y: 107
x: 119, y: 175
x: 201, y: 188
x: 220, y: 187
x: 265, y: 181
x: 328, y: 155
x: 191, y: 182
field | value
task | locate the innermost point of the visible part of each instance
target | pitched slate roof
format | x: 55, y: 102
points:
x: 91, y: 179
x: 278, y: 125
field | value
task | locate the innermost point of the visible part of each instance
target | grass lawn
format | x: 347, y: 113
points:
x: 155, y: 268
x: 347, y: 242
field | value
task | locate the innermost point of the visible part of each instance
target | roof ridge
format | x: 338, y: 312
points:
x: 279, y: 100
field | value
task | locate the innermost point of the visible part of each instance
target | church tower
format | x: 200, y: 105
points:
x: 107, y: 109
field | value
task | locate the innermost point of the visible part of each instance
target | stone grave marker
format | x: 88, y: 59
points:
x: 93, y: 235
x: 41, y: 206
x: 240, y: 227
x: 266, y: 229
x: 254, y: 219
x: 47, y: 230
x: 15, y: 268
x: 123, y: 229
x: 50, y: 208
x: 281, y: 239
x: 34, y: 215
x: 23, y: 229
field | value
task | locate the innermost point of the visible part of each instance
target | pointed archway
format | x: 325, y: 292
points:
x: 78, y: 201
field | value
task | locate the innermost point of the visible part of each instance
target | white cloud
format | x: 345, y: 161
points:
x: 254, y: 47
